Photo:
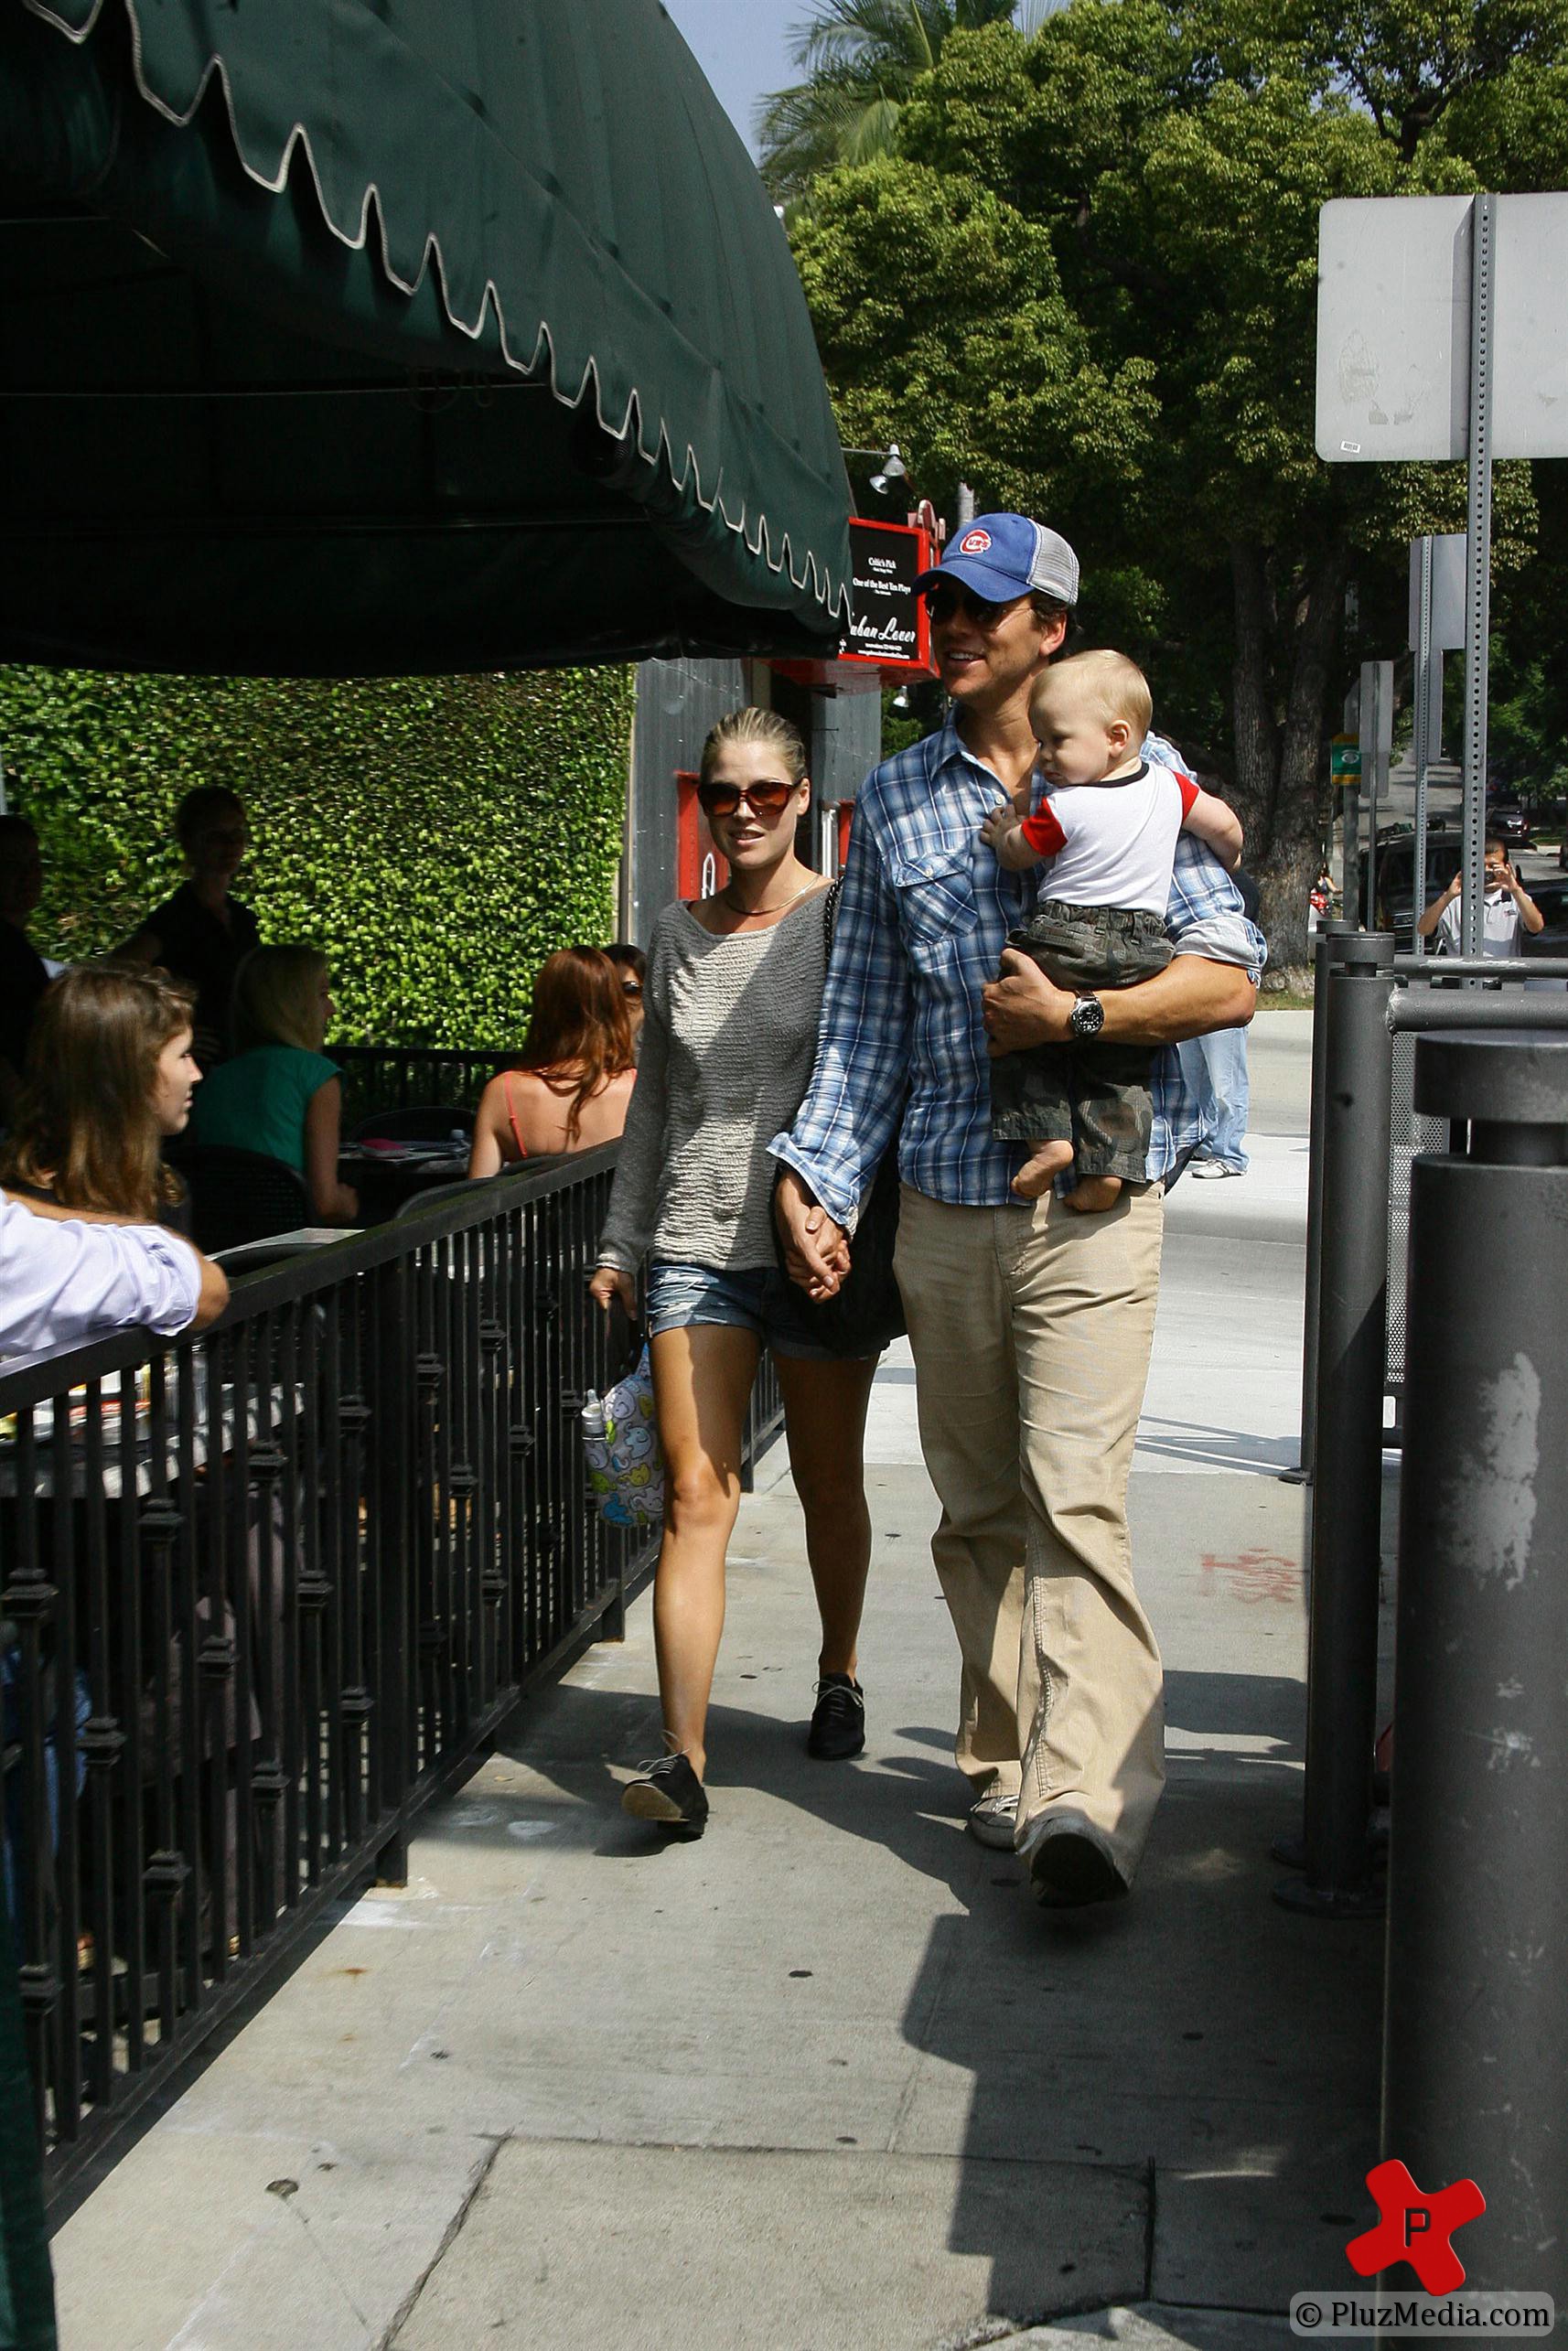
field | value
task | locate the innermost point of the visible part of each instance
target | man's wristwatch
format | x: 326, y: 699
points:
x: 1087, y: 1017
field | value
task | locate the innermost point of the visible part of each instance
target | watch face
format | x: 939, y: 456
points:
x: 1088, y: 1016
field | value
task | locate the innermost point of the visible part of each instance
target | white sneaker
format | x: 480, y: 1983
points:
x: 1207, y: 1169
x: 993, y: 1821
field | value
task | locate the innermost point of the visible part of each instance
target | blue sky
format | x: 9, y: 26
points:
x: 742, y: 47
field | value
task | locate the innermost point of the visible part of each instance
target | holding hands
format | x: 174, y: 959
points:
x: 816, y: 1248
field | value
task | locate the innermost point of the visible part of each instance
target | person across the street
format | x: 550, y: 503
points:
x: 1105, y: 834
x: 735, y: 985
x: 1031, y: 1327
x: 1508, y: 913
x: 1215, y: 1066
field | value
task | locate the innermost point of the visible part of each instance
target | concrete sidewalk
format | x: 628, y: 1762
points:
x: 825, y: 2079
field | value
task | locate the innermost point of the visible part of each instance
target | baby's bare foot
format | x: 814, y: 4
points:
x: 1040, y: 1170
x: 1095, y: 1192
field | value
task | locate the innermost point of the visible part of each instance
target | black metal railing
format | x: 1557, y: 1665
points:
x: 265, y: 1593
x: 398, y: 1077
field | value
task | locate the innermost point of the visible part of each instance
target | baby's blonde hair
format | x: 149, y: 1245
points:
x: 1109, y: 686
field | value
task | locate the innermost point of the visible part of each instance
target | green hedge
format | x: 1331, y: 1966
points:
x: 437, y: 837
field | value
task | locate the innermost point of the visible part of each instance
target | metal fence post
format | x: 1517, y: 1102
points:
x: 397, y: 1550
x: 1341, y: 1697
x: 1327, y: 932
x: 1476, y: 2045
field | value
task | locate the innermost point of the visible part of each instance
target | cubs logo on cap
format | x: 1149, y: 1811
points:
x: 1002, y: 557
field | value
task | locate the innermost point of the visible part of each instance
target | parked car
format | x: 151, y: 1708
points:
x: 1506, y: 818
x: 1552, y: 897
x: 1396, y: 866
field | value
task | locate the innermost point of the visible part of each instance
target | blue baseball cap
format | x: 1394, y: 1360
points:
x: 1001, y: 556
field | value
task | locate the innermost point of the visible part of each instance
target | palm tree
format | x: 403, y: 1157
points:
x: 860, y: 59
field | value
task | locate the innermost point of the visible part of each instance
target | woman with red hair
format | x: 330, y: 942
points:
x: 576, y: 1072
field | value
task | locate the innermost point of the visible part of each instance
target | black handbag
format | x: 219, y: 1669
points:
x: 866, y: 1314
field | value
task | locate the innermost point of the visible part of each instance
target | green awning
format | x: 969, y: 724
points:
x: 388, y: 336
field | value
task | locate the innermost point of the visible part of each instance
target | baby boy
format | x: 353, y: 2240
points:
x: 1105, y: 834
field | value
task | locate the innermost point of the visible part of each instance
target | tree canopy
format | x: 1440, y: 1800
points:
x: 1084, y: 280
x: 859, y: 60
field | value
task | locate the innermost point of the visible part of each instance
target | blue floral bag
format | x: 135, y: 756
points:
x: 620, y: 1446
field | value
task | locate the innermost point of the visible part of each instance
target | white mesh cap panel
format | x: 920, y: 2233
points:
x: 1054, y: 570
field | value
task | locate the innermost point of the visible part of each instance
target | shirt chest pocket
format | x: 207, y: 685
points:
x: 935, y: 890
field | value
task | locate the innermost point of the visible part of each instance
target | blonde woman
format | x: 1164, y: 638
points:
x: 733, y: 989
x: 279, y: 1094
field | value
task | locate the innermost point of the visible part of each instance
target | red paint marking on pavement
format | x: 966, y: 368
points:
x: 1254, y: 1575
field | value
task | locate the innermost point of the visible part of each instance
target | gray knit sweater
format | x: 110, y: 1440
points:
x: 729, y: 1035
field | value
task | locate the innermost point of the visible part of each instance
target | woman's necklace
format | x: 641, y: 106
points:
x: 748, y: 914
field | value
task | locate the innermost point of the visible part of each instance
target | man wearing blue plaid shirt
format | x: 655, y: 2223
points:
x: 1031, y: 1326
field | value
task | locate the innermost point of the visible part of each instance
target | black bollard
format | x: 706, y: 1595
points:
x: 1347, y: 1445
x: 1475, y: 2037
x: 1324, y: 941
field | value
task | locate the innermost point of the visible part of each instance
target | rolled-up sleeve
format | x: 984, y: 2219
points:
x: 850, y: 1111
x: 63, y: 1283
x: 1206, y: 917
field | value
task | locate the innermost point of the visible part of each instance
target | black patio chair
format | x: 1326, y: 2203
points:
x: 417, y: 1123
x: 238, y: 1195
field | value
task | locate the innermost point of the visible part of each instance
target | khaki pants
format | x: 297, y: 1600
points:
x: 1031, y: 1330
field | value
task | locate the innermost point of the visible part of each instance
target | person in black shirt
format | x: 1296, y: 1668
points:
x: 23, y: 974
x: 202, y: 935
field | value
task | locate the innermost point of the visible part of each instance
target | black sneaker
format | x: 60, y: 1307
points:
x: 838, y: 1718
x: 670, y: 1792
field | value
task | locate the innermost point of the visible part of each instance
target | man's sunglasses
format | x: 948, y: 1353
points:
x: 763, y: 799
x: 944, y: 600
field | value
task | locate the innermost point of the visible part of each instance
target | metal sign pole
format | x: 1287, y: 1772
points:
x: 1377, y: 726
x: 1370, y: 778
x: 1478, y: 564
x: 1423, y: 740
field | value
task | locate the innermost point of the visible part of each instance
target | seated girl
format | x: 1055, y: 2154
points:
x: 278, y: 1093
x: 108, y: 1076
x: 576, y: 1074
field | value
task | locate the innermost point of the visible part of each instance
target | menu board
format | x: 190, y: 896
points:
x: 888, y: 622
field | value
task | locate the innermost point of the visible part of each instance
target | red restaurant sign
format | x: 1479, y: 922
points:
x: 888, y: 624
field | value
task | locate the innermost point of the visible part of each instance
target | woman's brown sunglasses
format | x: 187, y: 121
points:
x: 763, y: 799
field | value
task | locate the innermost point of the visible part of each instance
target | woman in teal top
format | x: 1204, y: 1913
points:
x: 280, y: 1094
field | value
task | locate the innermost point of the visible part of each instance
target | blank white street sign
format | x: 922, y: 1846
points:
x: 1447, y: 593
x: 1394, y: 328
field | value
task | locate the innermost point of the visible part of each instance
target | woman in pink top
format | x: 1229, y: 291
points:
x: 577, y: 1075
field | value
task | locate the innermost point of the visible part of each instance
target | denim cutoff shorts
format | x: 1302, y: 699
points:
x: 757, y: 1298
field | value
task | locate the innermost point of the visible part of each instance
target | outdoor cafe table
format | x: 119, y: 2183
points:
x: 387, y: 1176
x: 264, y: 1411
